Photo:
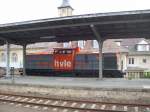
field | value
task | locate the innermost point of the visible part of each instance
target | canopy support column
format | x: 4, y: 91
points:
x: 100, y: 59
x: 24, y: 60
x: 100, y: 42
x: 7, y: 59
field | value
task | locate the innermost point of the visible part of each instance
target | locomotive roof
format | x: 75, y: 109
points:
x: 126, y: 24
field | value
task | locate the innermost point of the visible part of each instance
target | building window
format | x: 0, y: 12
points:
x: 144, y: 60
x: 95, y: 44
x: 3, y: 58
x: 14, y: 57
x: 81, y: 44
x: 143, y: 47
x: 66, y: 44
x: 131, y: 60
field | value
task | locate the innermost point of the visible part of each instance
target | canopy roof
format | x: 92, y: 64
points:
x: 127, y: 24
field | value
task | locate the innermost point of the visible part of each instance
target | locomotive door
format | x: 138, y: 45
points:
x: 64, y: 59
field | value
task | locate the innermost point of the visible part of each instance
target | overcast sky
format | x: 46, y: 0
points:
x: 23, y: 10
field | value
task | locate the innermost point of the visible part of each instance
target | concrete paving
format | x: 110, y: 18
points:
x: 80, y: 82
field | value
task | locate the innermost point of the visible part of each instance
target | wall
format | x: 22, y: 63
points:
x: 122, y: 58
x: 138, y: 61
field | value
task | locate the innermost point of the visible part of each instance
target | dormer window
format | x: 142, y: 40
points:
x: 143, y: 46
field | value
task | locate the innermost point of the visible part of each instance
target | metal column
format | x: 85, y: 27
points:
x: 7, y: 59
x: 100, y: 42
x: 100, y: 59
x: 24, y: 59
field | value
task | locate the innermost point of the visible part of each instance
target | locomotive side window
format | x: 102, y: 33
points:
x: 69, y: 51
x: 64, y: 51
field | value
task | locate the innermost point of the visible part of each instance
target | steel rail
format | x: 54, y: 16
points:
x: 59, y: 106
x: 80, y: 101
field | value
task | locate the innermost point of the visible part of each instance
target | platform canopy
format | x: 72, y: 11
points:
x: 127, y: 24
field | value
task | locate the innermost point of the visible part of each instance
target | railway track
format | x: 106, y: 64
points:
x: 64, y: 105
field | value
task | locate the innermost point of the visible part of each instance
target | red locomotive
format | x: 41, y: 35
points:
x: 70, y: 62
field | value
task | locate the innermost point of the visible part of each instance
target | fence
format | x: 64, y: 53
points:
x: 136, y: 74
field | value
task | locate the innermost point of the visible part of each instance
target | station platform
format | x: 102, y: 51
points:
x: 105, y: 90
x: 80, y: 82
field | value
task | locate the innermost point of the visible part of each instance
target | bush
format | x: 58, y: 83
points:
x: 146, y: 74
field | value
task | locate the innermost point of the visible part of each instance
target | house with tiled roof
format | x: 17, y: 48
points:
x: 138, y: 58
x: 139, y: 53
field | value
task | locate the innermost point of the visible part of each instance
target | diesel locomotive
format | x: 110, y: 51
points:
x: 69, y: 62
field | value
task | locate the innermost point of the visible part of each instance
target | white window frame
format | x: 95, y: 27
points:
x: 131, y: 61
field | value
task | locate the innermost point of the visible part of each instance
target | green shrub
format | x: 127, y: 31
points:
x: 146, y: 74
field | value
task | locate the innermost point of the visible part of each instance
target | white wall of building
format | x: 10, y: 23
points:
x: 139, y: 61
x: 19, y: 52
x: 19, y: 57
x: 122, y: 61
